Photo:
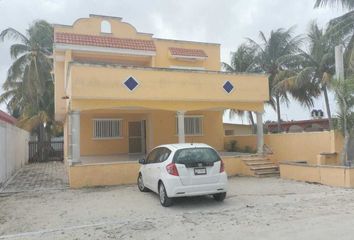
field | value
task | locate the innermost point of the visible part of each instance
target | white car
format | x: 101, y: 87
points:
x: 179, y: 170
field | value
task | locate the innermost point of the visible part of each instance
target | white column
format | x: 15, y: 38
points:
x: 180, y: 122
x: 260, y: 137
x: 75, y: 136
x: 339, y: 62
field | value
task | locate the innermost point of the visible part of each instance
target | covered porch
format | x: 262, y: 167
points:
x: 117, y: 135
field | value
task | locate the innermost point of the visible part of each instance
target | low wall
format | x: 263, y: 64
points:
x: 13, y: 150
x: 118, y: 173
x: 303, y: 146
x: 337, y: 176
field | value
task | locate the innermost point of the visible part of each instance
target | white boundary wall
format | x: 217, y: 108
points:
x: 13, y: 150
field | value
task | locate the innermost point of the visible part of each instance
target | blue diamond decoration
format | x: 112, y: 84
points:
x: 131, y: 83
x: 228, y: 87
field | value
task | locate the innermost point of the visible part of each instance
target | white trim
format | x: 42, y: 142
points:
x: 187, y: 67
x: 188, y: 57
x: 62, y: 46
x: 127, y: 86
x: 119, y: 119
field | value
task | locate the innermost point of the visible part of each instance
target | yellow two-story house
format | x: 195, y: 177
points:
x: 120, y: 93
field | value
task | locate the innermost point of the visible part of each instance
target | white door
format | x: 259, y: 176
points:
x: 150, y: 162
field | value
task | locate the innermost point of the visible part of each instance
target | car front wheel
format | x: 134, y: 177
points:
x: 164, y: 199
x: 220, y: 196
x: 141, y: 186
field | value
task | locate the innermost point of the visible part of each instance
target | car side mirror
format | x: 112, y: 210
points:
x: 142, y: 161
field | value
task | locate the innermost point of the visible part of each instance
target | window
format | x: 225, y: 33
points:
x: 105, y: 27
x: 192, y: 156
x: 107, y: 128
x: 158, y: 155
x: 193, y: 125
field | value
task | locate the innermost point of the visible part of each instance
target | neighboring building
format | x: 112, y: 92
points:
x: 119, y: 91
x: 237, y: 129
x: 4, y: 117
x: 311, y: 125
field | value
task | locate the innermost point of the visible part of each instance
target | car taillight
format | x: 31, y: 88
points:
x: 222, y: 167
x: 172, y: 169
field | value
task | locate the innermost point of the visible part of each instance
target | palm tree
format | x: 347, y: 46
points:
x: 270, y: 55
x: 348, y: 4
x: 342, y: 28
x: 242, y: 61
x: 29, y: 90
x: 316, y: 66
x: 344, y: 93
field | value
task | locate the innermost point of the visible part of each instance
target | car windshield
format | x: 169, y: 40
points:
x: 196, y: 155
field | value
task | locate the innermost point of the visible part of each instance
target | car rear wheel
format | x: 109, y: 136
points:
x: 141, y: 186
x: 220, y: 196
x: 164, y: 199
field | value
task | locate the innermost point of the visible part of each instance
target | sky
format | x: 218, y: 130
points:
x: 227, y: 22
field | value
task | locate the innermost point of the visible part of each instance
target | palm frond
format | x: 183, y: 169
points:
x: 17, y: 49
x: 13, y: 34
x: 349, y: 4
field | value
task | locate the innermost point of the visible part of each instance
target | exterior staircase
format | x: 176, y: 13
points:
x: 261, y: 166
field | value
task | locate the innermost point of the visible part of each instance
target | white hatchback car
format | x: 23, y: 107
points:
x: 179, y: 170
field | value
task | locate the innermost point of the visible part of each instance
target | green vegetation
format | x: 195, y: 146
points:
x: 29, y: 89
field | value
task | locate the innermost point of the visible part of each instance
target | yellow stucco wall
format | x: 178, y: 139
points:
x: 91, y: 175
x: 336, y: 176
x: 303, y: 146
x: 91, y: 81
x: 160, y: 129
x: 238, y: 129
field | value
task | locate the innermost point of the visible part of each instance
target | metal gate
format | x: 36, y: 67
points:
x: 45, y: 151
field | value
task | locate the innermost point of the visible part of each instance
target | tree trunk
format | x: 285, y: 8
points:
x: 344, y: 155
x: 330, y: 120
x: 278, y: 114
x: 250, y: 116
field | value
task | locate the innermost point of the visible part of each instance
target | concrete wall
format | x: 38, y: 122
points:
x: 237, y: 129
x: 303, y: 146
x: 90, y: 175
x: 13, y: 150
x: 337, y: 176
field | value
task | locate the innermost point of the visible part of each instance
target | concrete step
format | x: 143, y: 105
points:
x: 268, y: 174
x: 252, y: 163
x: 255, y: 159
x: 266, y: 171
x: 265, y: 167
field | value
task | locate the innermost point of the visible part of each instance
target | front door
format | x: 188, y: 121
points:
x: 136, y: 137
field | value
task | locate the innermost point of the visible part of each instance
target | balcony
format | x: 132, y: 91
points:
x: 141, y: 85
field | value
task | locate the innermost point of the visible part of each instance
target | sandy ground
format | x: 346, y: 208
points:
x: 254, y: 209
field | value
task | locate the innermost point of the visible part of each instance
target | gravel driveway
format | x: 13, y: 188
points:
x: 255, y: 208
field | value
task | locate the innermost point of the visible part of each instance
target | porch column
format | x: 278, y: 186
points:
x: 180, y: 122
x: 260, y: 137
x: 75, y: 136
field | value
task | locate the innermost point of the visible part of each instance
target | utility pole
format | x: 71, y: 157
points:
x: 339, y: 64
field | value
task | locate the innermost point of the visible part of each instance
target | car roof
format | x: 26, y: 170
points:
x: 177, y: 146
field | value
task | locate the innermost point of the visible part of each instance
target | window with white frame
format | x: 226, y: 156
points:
x: 106, y: 27
x: 107, y: 128
x: 193, y: 125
